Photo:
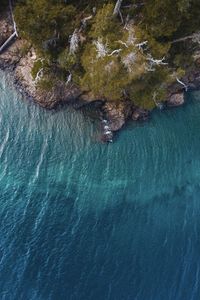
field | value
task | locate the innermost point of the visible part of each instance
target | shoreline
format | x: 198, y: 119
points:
x: 18, y: 59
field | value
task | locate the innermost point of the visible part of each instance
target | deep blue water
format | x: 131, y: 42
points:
x: 82, y: 220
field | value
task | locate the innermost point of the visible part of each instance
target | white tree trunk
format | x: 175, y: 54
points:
x: 7, y: 41
x: 11, y: 11
x: 117, y: 7
x: 14, y: 34
x: 182, y: 83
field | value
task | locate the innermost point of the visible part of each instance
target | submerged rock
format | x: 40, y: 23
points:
x: 21, y: 66
x: 107, y: 134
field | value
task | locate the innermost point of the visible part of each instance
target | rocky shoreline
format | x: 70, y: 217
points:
x: 19, y: 57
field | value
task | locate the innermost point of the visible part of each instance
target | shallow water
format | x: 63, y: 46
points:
x: 82, y: 220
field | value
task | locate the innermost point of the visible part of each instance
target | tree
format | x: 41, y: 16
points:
x: 47, y: 24
x: 85, y: 41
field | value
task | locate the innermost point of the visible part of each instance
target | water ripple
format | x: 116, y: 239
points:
x: 82, y: 220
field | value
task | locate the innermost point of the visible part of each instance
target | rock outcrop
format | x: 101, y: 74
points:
x: 20, y: 58
x: 21, y: 65
x: 57, y: 94
x: 117, y: 114
x: 176, y: 99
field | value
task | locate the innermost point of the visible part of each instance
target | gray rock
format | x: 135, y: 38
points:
x: 139, y: 114
x: 117, y: 113
x: 176, y: 99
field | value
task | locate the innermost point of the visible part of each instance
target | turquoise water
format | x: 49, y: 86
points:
x: 83, y: 220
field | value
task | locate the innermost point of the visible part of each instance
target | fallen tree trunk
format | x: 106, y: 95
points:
x: 8, y: 41
x: 14, y: 34
x: 194, y: 36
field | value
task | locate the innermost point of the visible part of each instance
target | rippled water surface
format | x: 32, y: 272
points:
x: 82, y: 220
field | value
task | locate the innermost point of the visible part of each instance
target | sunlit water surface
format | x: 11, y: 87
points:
x: 83, y: 220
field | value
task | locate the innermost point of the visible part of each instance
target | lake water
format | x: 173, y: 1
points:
x: 80, y: 220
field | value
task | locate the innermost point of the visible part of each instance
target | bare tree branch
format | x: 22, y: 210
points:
x: 102, y: 50
x: 38, y: 76
x: 14, y: 34
x: 182, y: 83
x: 156, y: 62
x: 117, y: 51
x: 117, y: 7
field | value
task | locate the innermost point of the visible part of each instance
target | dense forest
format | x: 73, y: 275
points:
x: 113, y: 49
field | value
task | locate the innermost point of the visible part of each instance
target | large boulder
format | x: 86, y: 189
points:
x: 6, y: 27
x: 117, y: 113
x: 139, y: 114
x: 176, y: 99
x: 59, y: 92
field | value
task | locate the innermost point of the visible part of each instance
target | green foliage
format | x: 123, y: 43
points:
x: 24, y: 49
x: 36, y: 67
x: 104, y: 23
x: 151, y: 89
x: 66, y: 60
